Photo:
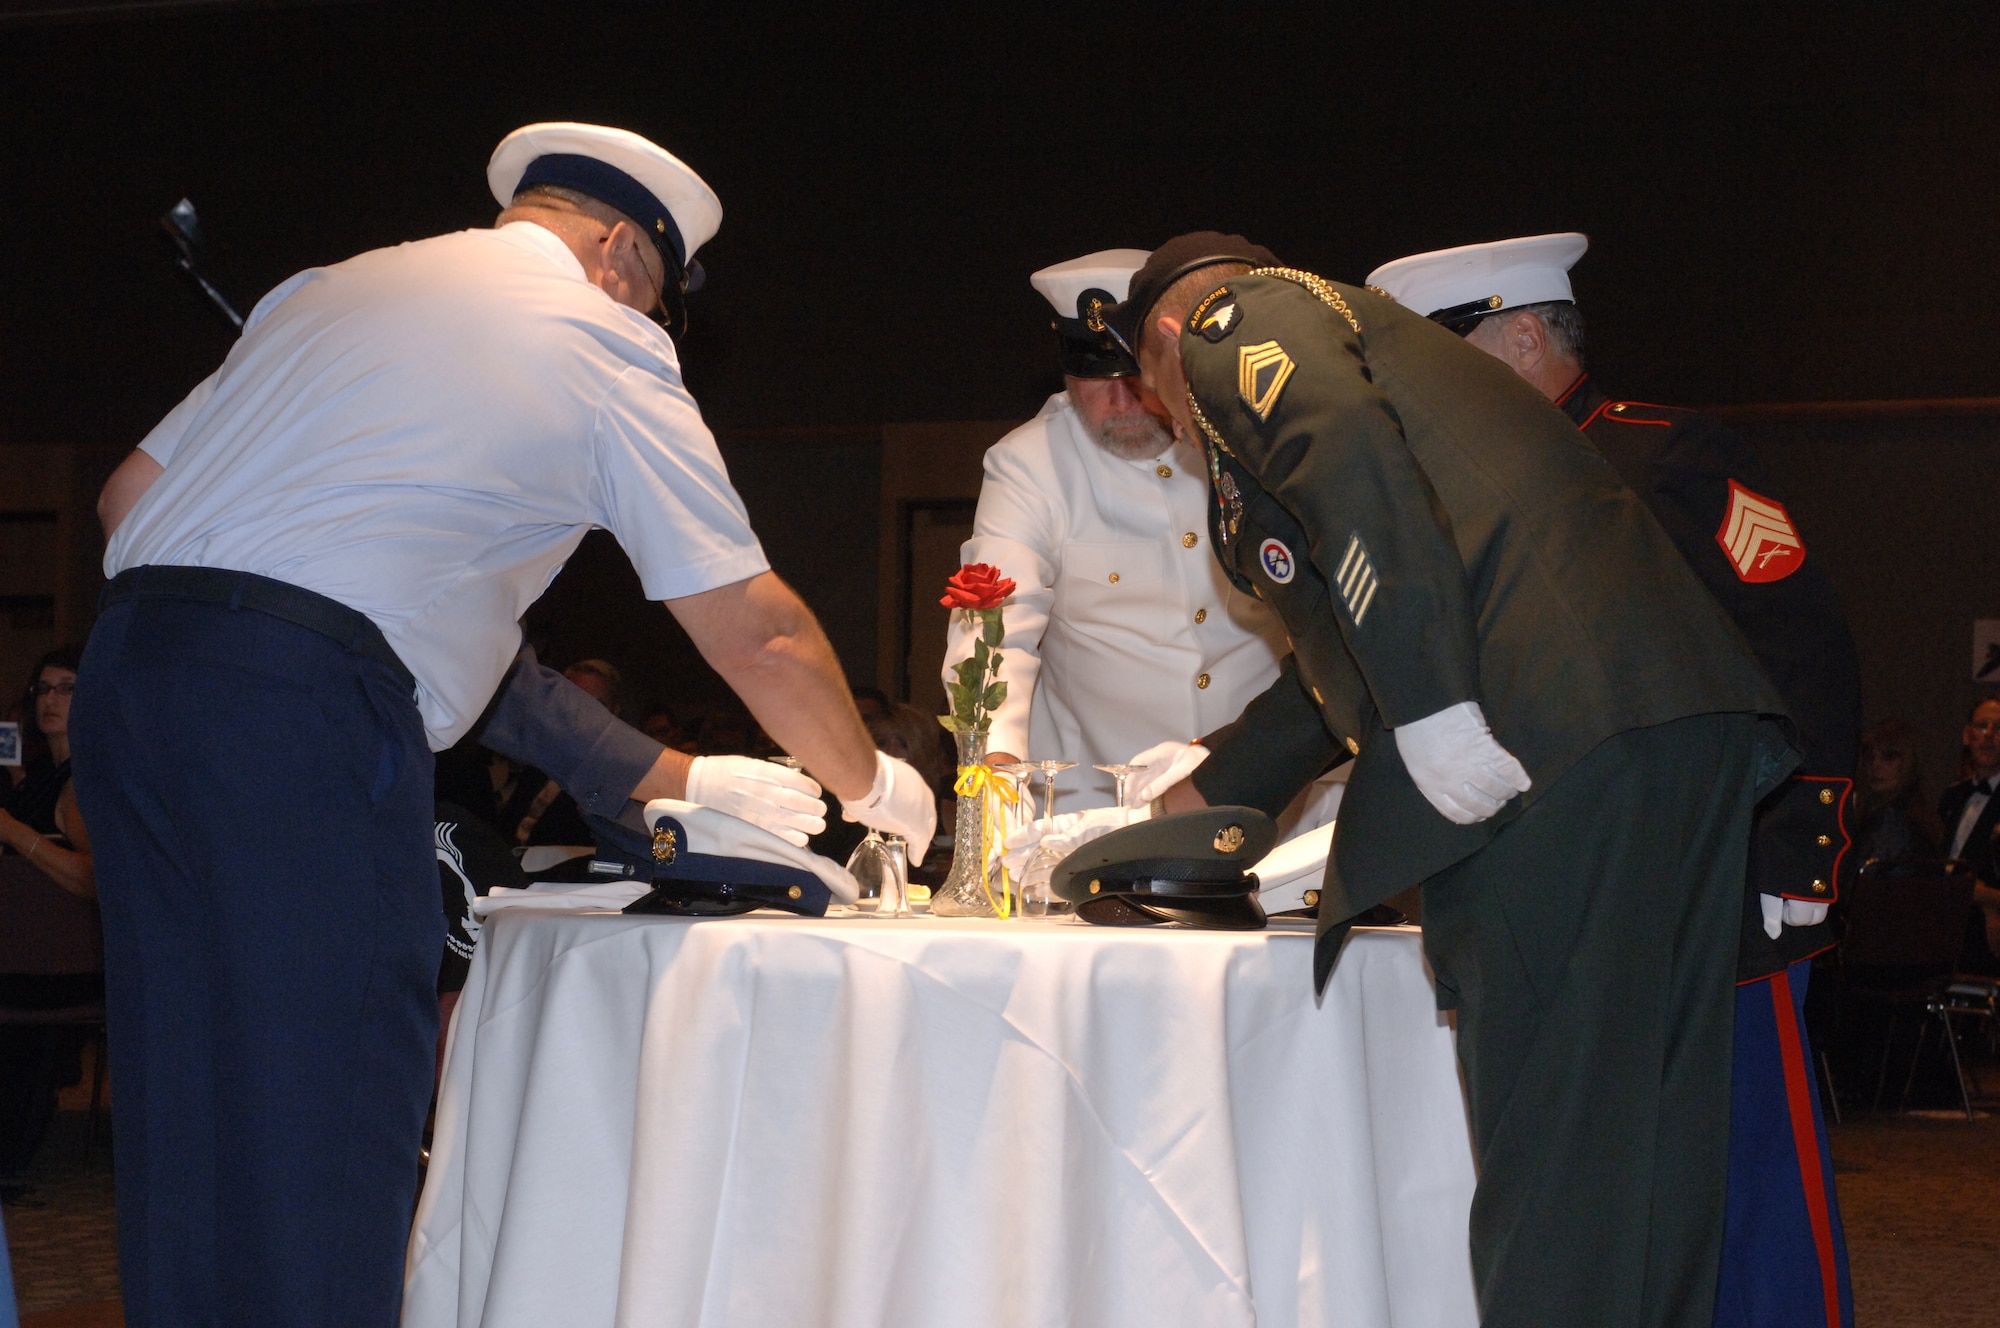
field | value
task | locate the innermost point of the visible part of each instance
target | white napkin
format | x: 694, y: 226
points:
x: 614, y: 894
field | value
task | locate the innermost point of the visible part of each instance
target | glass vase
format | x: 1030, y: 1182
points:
x: 963, y: 894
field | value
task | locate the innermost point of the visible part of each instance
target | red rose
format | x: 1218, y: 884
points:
x: 976, y: 586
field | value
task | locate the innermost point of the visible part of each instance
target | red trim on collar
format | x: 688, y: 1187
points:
x: 1570, y: 391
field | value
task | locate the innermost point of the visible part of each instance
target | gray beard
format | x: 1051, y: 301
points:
x: 1136, y: 436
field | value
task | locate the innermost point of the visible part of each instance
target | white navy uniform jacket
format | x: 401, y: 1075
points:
x: 1123, y: 630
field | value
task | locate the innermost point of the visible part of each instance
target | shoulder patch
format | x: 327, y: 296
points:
x: 1759, y: 537
x: 1261, y: 373
x: 1216, y: 316
x: 1276, y: 560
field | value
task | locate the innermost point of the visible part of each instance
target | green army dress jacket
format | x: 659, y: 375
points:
x: 1431, y: 530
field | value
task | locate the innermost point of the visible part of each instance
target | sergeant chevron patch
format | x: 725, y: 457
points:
x: 1759, y: 537
x: 1356, y: 579
x: 1261, y: 373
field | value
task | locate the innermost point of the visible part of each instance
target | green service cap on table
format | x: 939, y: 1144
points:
x: 1192, y: 868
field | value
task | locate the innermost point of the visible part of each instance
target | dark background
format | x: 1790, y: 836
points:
x: 1784, y: 206
x: 1781, y: 207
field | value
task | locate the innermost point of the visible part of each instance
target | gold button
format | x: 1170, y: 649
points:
x: 1201, y: 615
x: 1202, y: 681
x: 1824, y: 840
x: 794, y: 892
x: 1826, y: 795
x: 1618, y: 409
x: 1189, y: 540
x: 1312, y: 899
x: 1095, y: 886
x: 1114, y: 578
x: 1164, y: 471
x: 1353, y: 747
x: 1819, y: 887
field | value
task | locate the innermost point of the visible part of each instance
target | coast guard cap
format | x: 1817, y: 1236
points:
x: 706, y: 863
x: 1081, y: 290
x: 1169, y: 263
x: 674, y: 207
x: 1193, y: 868
x: 1458, y: 287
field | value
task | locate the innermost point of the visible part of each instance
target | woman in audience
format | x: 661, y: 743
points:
x: 40, y: 820
x: 1893, y: 821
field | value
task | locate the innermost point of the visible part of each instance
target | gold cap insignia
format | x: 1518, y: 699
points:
x: 664, y: 845
x: 1261, y: 373
x: 1228, y: 839
x: 1094, y: 317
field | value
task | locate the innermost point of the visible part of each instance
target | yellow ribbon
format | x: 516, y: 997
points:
x: 992, y: 788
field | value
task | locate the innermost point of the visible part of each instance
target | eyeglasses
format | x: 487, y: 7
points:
x: 1987, y: 727
x: 67, y: 687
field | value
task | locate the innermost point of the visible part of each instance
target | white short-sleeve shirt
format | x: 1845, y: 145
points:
x: 424, y: 433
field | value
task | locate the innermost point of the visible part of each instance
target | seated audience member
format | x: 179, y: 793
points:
x: 661, y: 726
x: 871, y: 702
x: 1892, y: 820
x: 40, y: 822
x: 1971, y: 817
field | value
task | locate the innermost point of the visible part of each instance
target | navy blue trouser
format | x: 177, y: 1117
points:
x: 259, y: 799
x: 1784, y: 1256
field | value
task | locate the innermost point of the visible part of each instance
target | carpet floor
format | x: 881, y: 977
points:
x: 1918, y: 1192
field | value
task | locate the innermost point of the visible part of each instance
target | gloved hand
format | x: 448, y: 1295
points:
x: 770, y: 797
x: 1782, y: 913
x: 1167, y: 764
x: 1456, y: 764
x: 1066, y: 833
x: 898, y: 803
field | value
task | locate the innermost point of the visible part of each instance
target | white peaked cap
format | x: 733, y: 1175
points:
x: 719, y: 833
x: 1504, y: 274
x: 1108, y: 270
x: 687, y: 199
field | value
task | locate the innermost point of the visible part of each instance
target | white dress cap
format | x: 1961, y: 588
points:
x: 1108, y: 270
x: 696, y: 211
x: 1504, y: 274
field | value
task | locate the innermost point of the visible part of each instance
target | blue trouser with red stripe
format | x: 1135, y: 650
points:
x: 1784, y: 1258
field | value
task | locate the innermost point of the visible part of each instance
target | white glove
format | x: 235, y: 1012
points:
x: 1167, y: 764
x: 898, y: 803
x: 1782, y: 913
x: 767, y: 795
x: 1458, y: 767
x: 1067, y: 832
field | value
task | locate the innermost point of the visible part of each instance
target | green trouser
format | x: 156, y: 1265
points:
x: 1590, y: 951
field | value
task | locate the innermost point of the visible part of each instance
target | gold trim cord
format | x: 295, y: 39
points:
x: 1319, y: 286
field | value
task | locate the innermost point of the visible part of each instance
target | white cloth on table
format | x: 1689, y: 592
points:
x: 1103, y: 656
x: 424, y: 433
x: 859, y: 1122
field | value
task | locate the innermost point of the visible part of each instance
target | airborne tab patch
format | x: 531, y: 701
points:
x: 1357, y: 580
x: 1759, y: 537
x: 1261, y: 373
x: 1216, y: 316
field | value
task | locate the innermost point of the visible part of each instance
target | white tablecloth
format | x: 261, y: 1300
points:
x: 778, y: 1121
